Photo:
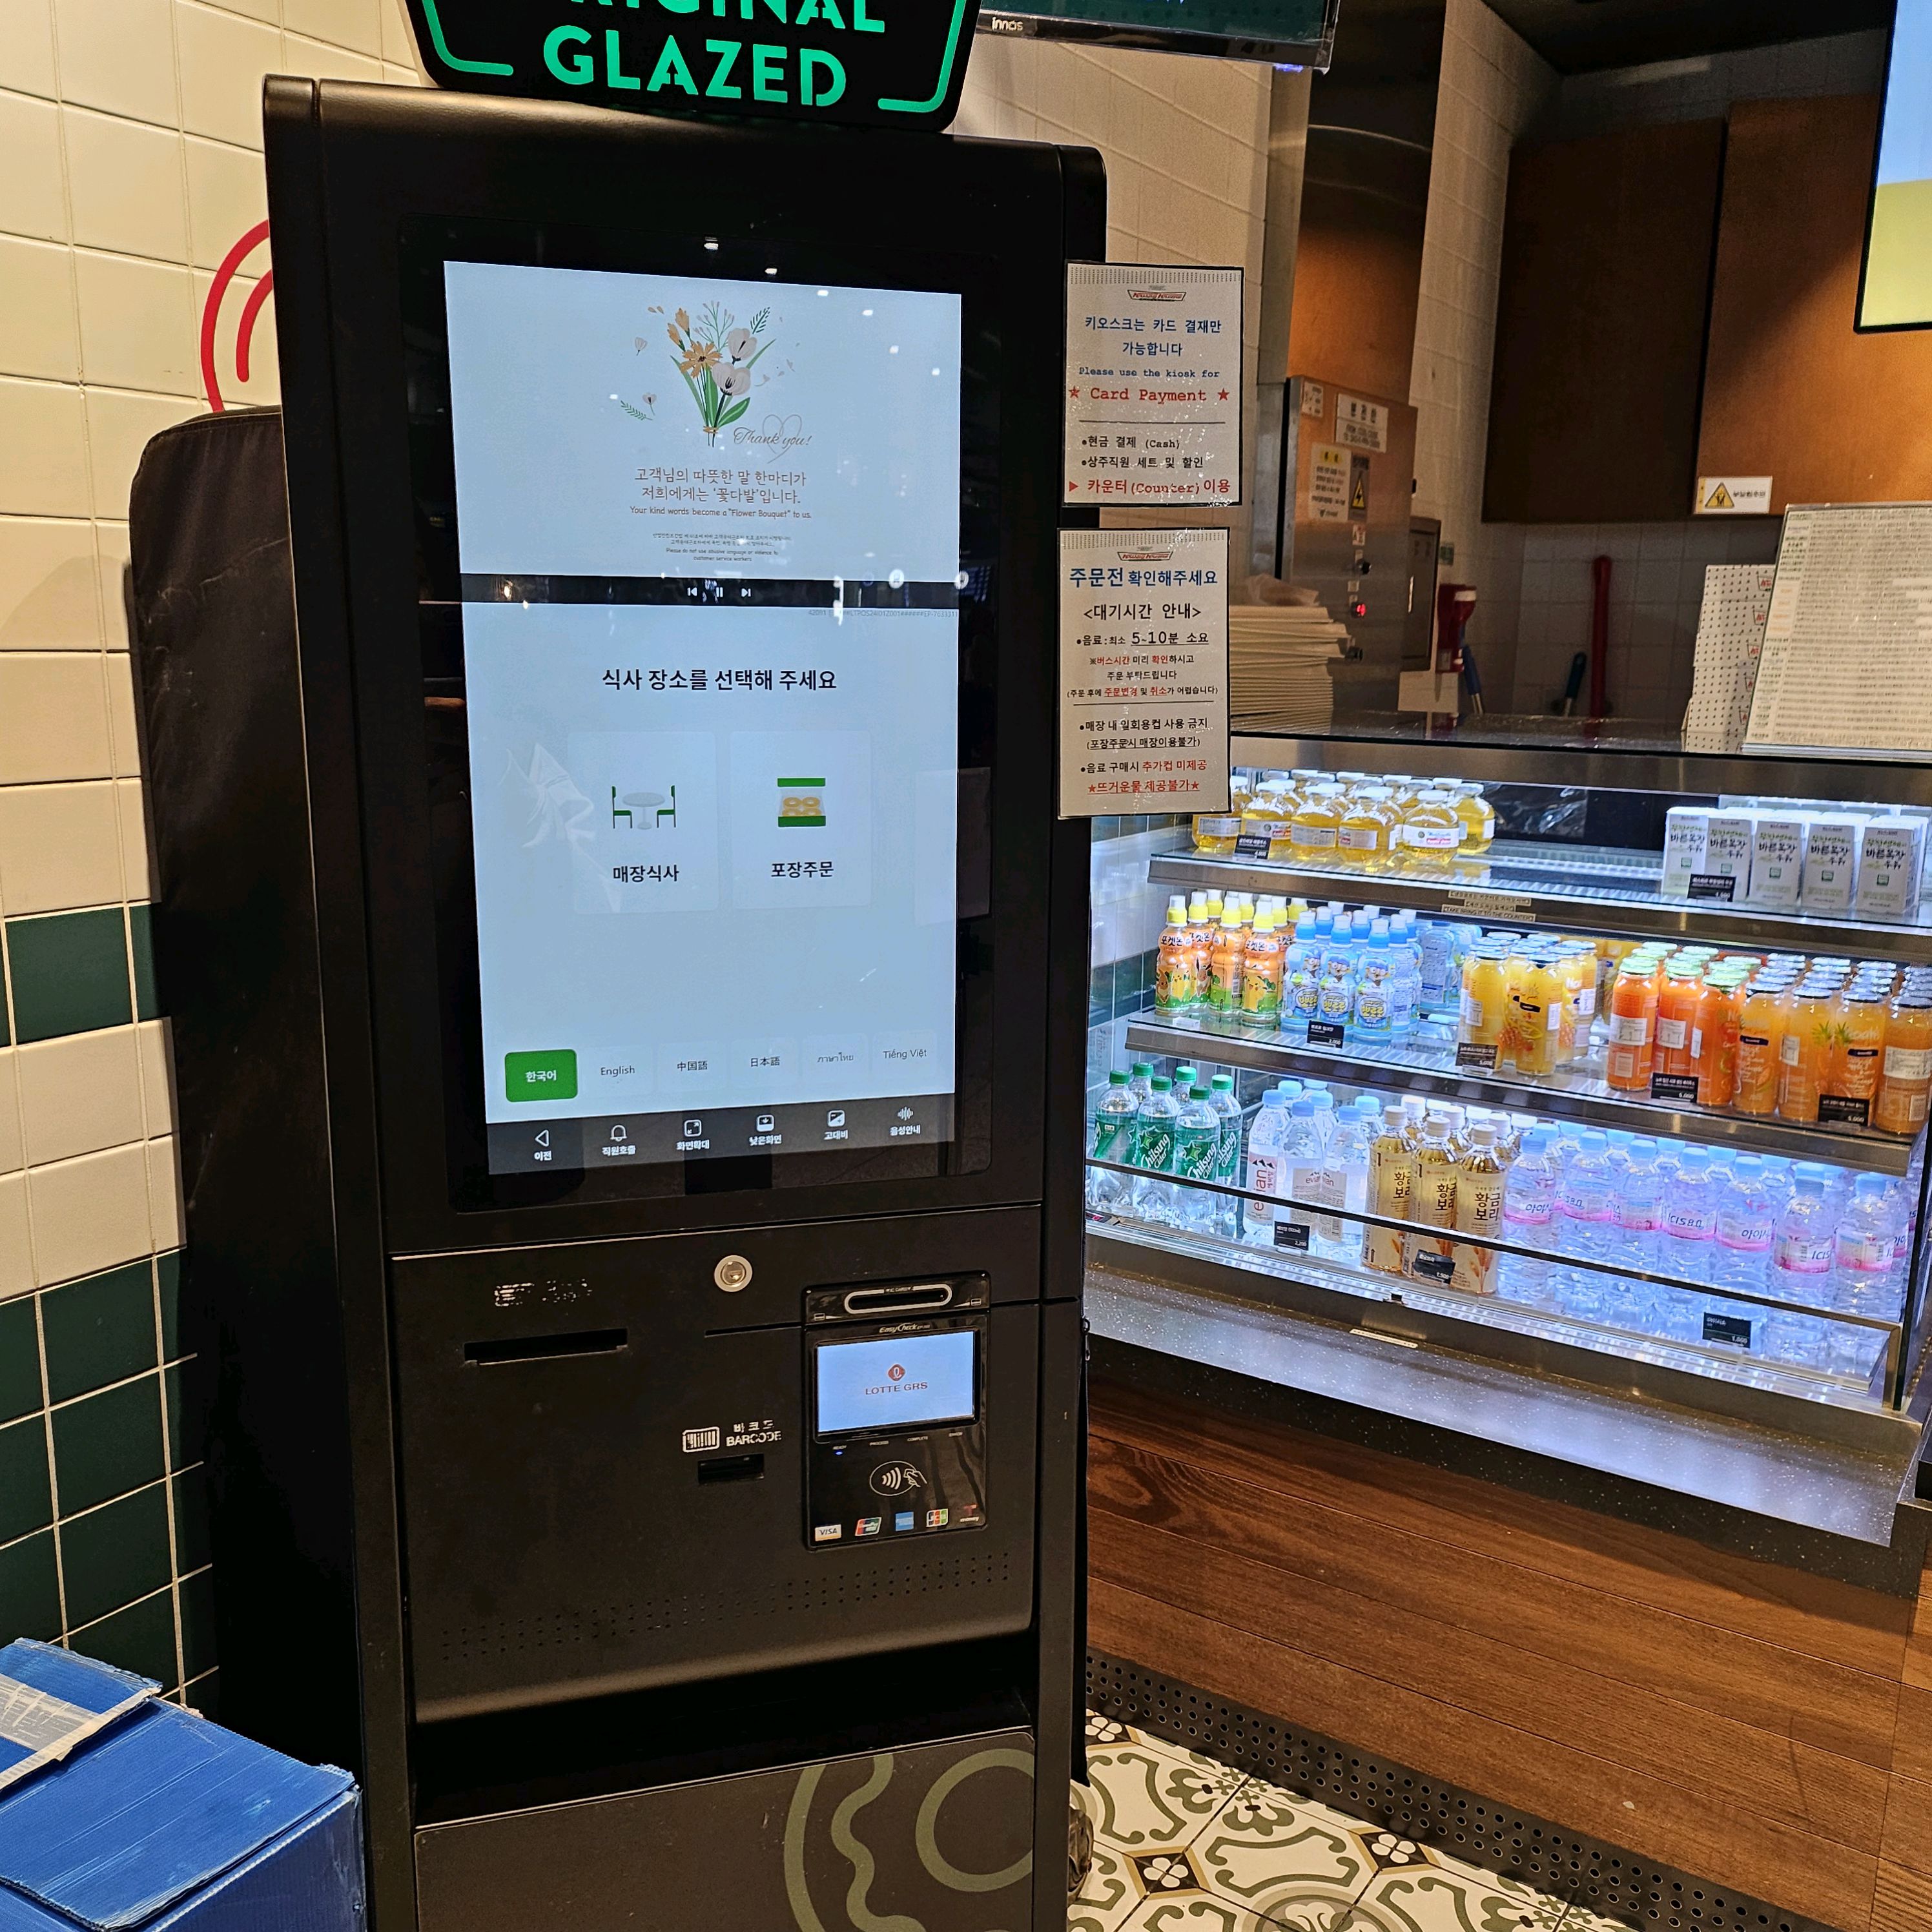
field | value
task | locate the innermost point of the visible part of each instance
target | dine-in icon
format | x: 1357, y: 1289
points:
x: 642, y: 810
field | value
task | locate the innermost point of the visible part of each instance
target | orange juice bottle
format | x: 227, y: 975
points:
x: 1677, y: 1014
x: 1760, y: 1043
x: 1486, y: 1003
x: 1633, y: 1025
x: 1907, y: 1082
x: 1578, y: 958
x: 1714, y: 1038
x: 1805, y: 1057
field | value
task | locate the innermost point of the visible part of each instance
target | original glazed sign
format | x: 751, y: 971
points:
x: 891, y: 62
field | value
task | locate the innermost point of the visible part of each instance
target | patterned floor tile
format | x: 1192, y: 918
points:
x: 1196, y: 1912
x: 1154, y: 1797
x: 1109, y: 1894
x: 1267, y: 1844
x: 1432, y: 1897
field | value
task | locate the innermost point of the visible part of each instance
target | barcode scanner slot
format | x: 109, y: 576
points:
x: 546, y: 1348
x: 916, y: 1300
x: 731, y: 1469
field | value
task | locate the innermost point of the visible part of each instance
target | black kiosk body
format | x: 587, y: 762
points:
x: 628, y: 986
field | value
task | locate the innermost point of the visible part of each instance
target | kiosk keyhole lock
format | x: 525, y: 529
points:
x: 733, y: 1274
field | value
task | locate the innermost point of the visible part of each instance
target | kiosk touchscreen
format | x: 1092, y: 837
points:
x: 627, y: 988
x: 711, y: 643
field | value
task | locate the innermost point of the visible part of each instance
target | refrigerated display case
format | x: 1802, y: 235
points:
x: 1661, y: 1131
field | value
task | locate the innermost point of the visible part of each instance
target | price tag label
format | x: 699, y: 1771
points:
x: 1473, y: 1053
x: 1490, y: 905
x: 1841, y: 1110
x: 1326, y: 1033
x: 1732, y: 1328
x: 1440, y: 1268
x: 1713, y: 886
x: 1673, y: 1087
x: 1291, y: 1235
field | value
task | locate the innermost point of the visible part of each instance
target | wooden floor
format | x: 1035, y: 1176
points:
x: 1765, y: 1729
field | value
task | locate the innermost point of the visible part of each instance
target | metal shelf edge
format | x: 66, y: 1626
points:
x: 1516, y: 905
x: 1869, y: 1154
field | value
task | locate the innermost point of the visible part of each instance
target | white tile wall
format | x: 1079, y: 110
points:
x: 1185, y: 140
x: 129, y: 165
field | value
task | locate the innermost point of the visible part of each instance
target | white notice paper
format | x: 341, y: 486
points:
x: 1143, y: 671
x: 1847, y: 659
x: 1730, y: 637
x: 1153, y: 384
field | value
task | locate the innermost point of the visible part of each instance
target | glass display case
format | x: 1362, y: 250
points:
x: 1583, y: 1053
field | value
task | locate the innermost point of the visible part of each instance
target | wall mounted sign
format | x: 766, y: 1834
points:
x: 1734, y: 496
x: 1153, y: 384
x: 1143, y: 671
x: 890, y: 62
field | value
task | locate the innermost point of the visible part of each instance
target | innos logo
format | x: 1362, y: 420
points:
x: 897, y: 1479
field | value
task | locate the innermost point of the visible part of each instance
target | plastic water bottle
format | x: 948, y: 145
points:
x: 1436, y: 940
x: 1690, y: 1218
x: 1529, y: 1211
x: 1344, y: 1185
x: 1866, y: 1255
x: 1404, y: 977
x: 1140, y: 1082
x: 1154, y: 1132
x: 1324, y: 1102
x: 1111, y: 1137
x: 1746, y: 1221
x: 1618, y: 1151
x: 1639, y: 1207
x: 1586, y: 1210
x: 1806, y: 1241
x: 1304, y: 1168
x: 1197, y: 1150
x: 1266, y: 1171
x: 1227, y: 1152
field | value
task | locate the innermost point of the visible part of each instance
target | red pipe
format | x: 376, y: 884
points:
x: 1599, y: 637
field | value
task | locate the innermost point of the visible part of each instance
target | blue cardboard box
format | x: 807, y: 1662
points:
x: 119, y: 1813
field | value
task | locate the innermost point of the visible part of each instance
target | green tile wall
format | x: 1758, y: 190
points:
x: 103, y: 1530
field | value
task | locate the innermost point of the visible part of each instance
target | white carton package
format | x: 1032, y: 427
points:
x: 1685, y: 827
x: 1891, y: 868
x: 1831, y: 863
x: 1777, y: 859
x: 1725, y: 874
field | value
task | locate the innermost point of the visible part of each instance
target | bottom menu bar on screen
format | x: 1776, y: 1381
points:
x: 613, y: 1141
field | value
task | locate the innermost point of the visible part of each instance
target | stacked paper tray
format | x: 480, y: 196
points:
x: 1730, y: 638
x: 1278, y: 660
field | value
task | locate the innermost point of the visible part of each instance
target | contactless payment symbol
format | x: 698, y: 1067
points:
x: 897, y: 1479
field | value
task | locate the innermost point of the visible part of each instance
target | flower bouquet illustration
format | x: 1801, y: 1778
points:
x: 716, y: 358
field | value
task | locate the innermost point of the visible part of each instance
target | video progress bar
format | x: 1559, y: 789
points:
x: 713, y: 592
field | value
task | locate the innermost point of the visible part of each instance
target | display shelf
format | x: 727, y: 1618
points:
x: 1505, y: 891
x: 1572, y: 1095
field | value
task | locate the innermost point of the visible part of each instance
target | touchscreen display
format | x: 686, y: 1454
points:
x: 708, y: 537
x: 905, y: 1381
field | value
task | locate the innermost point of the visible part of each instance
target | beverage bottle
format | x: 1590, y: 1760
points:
x: 1477, y: 818
x: 1405, y: 976
x: 1261, y: 974
x: 1174, y: 988
x: 1201, y: 926
x: 1316, y: 824
x: 1303, y: 1177
x: 1690, y: 1219
x: 1480, y: 1178
x: 1860, y: 1062
x: 1432, y: 835
x: 1110, y: 1136
x: 1677, y: 1005
x: 1433, y: 1203
x: 1346, y: 1187
x: 1529, y: 1211
x: 1301, y: 975
x: 1484, y: 1022
x: 1228, y: 1152
x: 1866, y: 1251
x: 1806, y: 1245
x: 1267, y: 1171
x: 1374, y: 1019
x: 1714, y: 1034
x: 1907, y: 1082
x: 1336, y: 1002
x: 1323, y: 1101
x: 1618, y: 1151
x: 1154, y: 1197
x: 1436, y: 940
x: 1224, y: 962
x: 1746, y: 1221
x: 1538, y: 1019
x: 1140, y: 1082
x: 1633, y: 1027
x: 1806, y: 1052
x: 1365, y: 839
x: 1187, y: 1077
x: 1760, y: 1040
x: 1640, y: 1208
x: 1391, y: 1181
x: 1197, y: 1147
x: 1586, y: 1217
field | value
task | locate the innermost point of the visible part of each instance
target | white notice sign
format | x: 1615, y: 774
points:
x: 1846, y: 665
x: 1328, y: 484
x: 1360, y: 424
x: 1143, y: 671
x: 1734, y: 496
x: 1153, y: 384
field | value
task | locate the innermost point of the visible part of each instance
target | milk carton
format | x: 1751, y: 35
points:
x: 1725, y: 875
x: 1778, y: 844
x: 1831, y: 863
x: 1685, y: 828
x: 1891, y: 868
